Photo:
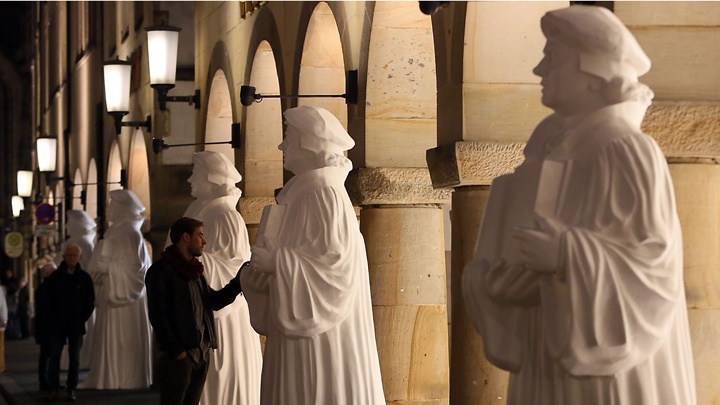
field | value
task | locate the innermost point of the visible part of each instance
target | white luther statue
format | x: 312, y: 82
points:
x: 308, y: 286
x: 81, y: 231
x: 121, y: 346
x: 234, y: 368
x: 577, y: 281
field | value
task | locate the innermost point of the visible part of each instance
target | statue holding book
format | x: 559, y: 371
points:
x: 307, y: 285
x: 234, y: 368
x: 576, y: 285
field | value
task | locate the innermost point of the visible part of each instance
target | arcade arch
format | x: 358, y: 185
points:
x: 322, y: 68
x: 138, y: 174
x: 263, y: 126
x: 218, y: 125
x: 114, y: 170
x: 77, y: 190
x: 91, y: 197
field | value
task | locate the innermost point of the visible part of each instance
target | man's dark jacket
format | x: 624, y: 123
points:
x: 42, y: 310
x: 171, y: 311
x: 68, y: 301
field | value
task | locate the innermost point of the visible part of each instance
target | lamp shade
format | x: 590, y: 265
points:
x: 24, y: 183
x: 17, y: 205
x: 117, y: 85
x: 46, y: 153
x: 162, y: 53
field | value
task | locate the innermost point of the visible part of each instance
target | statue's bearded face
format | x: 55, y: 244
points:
x: 565, y: 88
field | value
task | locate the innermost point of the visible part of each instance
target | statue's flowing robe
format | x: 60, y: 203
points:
x: 611, y: 326
x: 315, y: 308
x: 236, y: 365
x: 87, y: 244
x: 122, y: 357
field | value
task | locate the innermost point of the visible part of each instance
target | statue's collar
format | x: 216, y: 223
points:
x: 313, y: 179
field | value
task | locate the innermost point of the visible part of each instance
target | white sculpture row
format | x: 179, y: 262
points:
x: 576, y: 285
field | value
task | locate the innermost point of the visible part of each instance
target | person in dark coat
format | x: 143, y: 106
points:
x: 23, y: 308
x: 41, y: 327
x: 180, y: 305
x: 12, y: 287
x: 71, y: 301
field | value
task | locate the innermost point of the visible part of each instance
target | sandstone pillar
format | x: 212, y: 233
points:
x: 251, y: 209
x: 687, y: 134
x: 697, y: 191
x: 468, y: 168
x: 402, y: 224
x: 685, y: 121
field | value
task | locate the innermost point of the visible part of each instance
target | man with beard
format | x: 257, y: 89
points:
x: 180, y: 303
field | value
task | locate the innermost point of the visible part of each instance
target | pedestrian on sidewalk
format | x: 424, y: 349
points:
x: 180, y: 304
x: 42, y: 311
x: 3, y: 323
x: 71, y: 301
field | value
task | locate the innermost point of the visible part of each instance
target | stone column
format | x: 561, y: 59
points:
x: 687, y: 134
x: 468, y: 168
x: 402, y: 224
x: 251, y: 210
x: 697, y: 191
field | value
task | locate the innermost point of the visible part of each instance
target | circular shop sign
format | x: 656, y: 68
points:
x: 45, y: 213
x: 14, y: 244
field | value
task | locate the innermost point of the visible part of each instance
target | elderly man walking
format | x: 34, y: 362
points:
x: 71, y: 301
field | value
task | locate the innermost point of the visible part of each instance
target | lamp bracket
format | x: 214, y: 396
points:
x: 119, y: 123
x: 248, y: 95
x: 163, y: 98
x: 159, y: 144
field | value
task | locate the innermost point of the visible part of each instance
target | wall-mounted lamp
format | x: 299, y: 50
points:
x: 17, y: 205
x: 46, y: 149
x: 159, y: 144
x: 432, y: 7
x: 248, y: 94
x: 117, y: 94
x: 162, y: 62
x: 24, y: 183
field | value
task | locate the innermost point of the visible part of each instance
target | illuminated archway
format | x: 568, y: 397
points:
x: 114, y: 170
x: 77, y: 191
x: 263, y: 160
x: 138, y: 176
x: 91, y: 197
x: 218, y: 127
x: 322, y: 69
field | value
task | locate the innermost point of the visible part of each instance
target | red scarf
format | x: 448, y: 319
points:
x: 189, y: 270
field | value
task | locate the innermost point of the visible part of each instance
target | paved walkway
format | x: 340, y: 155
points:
x: 19, y: 386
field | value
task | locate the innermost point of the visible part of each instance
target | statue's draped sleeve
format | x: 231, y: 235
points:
x: 227, y: 246
x: 616, y: 301
x: 614, y: 298
x: 119, y: 267
x: 315, y: 276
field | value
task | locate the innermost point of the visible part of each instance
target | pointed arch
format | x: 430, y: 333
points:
x: 322, y: 66
x: 263, y: 128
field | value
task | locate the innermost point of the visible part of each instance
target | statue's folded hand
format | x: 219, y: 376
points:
x: 512, y: 284
x: 539, y: 247
x: 262, y: 260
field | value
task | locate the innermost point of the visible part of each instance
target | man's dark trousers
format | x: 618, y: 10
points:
x: 56, y: 344
x: 181, y: 381
x: 43, y: 366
